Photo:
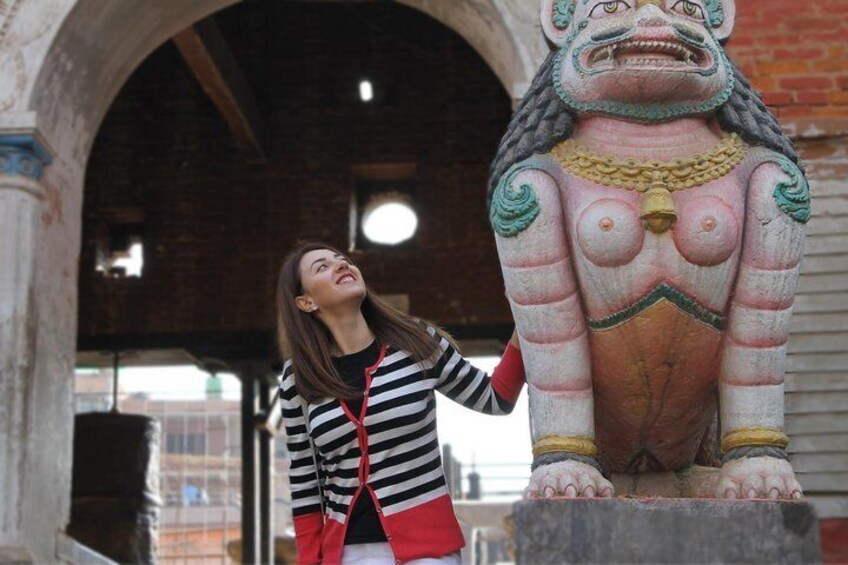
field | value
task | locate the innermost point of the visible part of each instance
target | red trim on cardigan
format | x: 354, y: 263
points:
x: 427, y: 530
x: 508, y: 377
x: 308, y: 530
x: 332, y: 544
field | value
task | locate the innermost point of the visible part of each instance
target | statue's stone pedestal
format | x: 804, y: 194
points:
x: 665, y: 530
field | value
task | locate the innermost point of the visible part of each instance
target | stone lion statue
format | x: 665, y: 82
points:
x: 650, y: 217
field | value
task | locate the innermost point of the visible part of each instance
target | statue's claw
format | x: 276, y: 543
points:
x: 568, y: 479
x: 758, y: 477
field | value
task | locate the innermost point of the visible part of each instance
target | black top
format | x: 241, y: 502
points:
x: 363, y: 524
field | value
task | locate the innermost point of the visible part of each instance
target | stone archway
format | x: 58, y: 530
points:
x: 62, y: 62
x: 506, y: 34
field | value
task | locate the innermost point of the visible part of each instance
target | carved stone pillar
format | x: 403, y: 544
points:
x: 23, y: 156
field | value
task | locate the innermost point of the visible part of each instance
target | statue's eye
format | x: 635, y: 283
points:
x: 604, y: 9
x: 689, y: 9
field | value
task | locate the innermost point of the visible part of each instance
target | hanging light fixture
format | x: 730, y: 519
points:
x: 366, y: 90
x: 389, y: 219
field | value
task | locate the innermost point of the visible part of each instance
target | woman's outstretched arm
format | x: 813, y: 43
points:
x: 460, y: 381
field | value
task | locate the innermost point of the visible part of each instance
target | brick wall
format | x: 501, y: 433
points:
x: 217, y: 228
x: 796, y: 54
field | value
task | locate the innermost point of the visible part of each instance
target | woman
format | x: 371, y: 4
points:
x: 359, y: 411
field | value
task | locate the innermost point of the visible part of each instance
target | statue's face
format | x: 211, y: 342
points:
x: 648, y: 60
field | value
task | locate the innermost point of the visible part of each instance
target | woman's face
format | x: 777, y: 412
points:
x: 330, y: 282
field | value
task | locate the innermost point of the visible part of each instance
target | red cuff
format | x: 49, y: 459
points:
x: 508, y: 376
x: 307, y: 533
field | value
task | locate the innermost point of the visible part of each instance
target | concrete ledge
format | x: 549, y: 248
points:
x: 665, y: 530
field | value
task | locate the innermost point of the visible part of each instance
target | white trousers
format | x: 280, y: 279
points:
x: 381, y: 554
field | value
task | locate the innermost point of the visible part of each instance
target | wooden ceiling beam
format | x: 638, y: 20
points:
x: 214, y: 65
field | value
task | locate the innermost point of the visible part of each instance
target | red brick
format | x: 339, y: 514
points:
x: 832, y: 7
x: 804, y: 25
x: 832, y: 66
x: 791, y: 112
x: 830, y: 111
x: 837, y: 52
x: 746, y: 67
x: 772, y: 98
x: 806, y: 83
x: 798, y: 54
x: 762, y: 83
x: 783, y: 67
x: 812, y: 98
x: 737, y: 41
x: 834, y: 36
x: 776, y: 39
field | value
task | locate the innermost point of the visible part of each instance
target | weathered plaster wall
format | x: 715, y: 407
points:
x: 36, y: 425
x: 64, y: 99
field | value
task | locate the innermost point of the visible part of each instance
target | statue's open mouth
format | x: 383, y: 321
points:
x: 648, y: 54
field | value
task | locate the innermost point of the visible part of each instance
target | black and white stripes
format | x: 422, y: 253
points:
x: 397, y: 436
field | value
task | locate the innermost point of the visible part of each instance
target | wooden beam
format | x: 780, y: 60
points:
x: 213, y: 64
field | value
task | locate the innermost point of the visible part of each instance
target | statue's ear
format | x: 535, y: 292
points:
x: 556, y: 18
x: 722, y: 18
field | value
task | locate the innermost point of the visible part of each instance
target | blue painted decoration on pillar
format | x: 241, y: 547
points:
x: 23, y: 154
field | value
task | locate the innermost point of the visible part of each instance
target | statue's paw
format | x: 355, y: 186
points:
x: 758, y: 477
x: 568, y: 479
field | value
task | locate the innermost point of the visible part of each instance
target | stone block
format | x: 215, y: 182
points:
x: 665, y: 530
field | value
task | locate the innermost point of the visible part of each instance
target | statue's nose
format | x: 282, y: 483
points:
x: 650, y: 13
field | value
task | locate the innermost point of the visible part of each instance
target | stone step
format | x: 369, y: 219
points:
x: 665, y: 530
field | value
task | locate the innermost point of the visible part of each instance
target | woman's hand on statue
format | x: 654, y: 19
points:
x: 758, y: 477
x: 568, y: 479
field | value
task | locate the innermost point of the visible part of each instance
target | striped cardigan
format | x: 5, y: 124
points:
x: 389, y: 452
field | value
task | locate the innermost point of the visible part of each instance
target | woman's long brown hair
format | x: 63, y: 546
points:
x: 308, y: 342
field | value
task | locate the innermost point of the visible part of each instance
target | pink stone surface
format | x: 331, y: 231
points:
x: 610, y: 232
x: 707, y: 231
x: 653, y: 393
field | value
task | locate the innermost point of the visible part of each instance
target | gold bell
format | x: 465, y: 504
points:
x: 658, y: 211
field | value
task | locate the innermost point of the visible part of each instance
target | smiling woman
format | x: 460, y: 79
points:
x: 359, y: 409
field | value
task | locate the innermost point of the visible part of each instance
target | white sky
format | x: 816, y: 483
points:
x: 498, y: 445
x: 185, y: 382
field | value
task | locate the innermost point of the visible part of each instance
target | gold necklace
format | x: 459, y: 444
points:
x: 656, y: 180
